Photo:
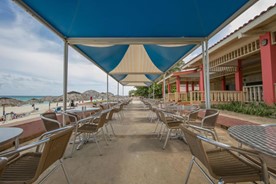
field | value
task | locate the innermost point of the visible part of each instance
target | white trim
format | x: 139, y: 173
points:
x: 234, y: 16
x: 134, y: 40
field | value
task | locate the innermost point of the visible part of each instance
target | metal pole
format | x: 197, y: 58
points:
x: 205, y: 56
x: 164, y: 87
x: 118, y: 91
x: 65, y: 78
x: 107, y: 88
x: 123, y: 89
x: 153, y: 92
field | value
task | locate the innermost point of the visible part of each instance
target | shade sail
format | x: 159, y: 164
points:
x: 136, y: 32
x: 143, y: 18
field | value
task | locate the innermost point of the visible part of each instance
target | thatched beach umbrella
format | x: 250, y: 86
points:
x: 5, y: 101
x: 33, y: 101
x: 74, y: 95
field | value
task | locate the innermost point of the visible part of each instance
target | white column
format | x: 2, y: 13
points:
x: 118, y: 91
x: 107, y: 99
x: 164, y: 87
x: 205, y: 57
x: 153, y: 93
x: 65, y: 77
x: 123, y: 89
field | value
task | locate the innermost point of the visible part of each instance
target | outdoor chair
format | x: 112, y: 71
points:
x: 90, y: 128
x: 208, y: 122
x: 3, y: 163
x: 222, y: 162
x: 50, y: 121
x: 31, y: 164
x: 170, y: 125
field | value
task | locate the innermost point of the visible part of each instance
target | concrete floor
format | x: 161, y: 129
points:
x: 134, y: 156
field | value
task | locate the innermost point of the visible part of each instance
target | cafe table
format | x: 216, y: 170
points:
x: 261, y: 138
x: 8, y: 134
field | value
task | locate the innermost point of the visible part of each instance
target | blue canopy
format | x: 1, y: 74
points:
x: 104, y: 31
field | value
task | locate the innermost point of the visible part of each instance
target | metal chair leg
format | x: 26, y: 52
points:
x: 102, y: 130
x: 167, y: 138
x: 112, y: 128
x: 94, y: 135
x: 64, y: 171
x: 189, y: 170
x: 106, y: 129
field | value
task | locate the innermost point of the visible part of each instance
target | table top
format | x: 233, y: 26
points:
x: 8, y: 134
x: 79, y: 109
x: 261, y: 138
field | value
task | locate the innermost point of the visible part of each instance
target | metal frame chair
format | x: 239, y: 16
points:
x: 30, y: 165
x: 208, y: 122
x: 222, y: 163
x: 50, y: 121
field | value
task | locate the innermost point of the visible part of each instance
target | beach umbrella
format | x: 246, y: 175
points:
x: 34, y: 101
x: 5, y: 101
x: 73, y: 95
x: 48, y: 98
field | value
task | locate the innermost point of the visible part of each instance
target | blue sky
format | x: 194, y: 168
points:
x: 31, y: 56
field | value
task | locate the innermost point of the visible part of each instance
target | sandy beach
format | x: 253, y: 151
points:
x: 28, y: 110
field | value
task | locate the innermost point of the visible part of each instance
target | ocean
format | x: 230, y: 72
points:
x: 23, y: 98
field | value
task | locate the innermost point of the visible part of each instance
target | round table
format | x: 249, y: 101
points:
x: 261, y: 138
x: 8, y: 134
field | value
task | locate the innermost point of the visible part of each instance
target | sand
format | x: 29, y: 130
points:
x: 28, y: 110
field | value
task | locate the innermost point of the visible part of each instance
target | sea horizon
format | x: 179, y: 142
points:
x: 23, y: 97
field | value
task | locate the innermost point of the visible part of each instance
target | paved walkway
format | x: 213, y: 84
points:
x: 134, y: 156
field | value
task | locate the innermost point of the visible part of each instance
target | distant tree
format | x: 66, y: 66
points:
x: 141, y: 91
x: 131, y: 92
x: 157, y: 90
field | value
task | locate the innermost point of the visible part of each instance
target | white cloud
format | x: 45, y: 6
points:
x: 31, y: 61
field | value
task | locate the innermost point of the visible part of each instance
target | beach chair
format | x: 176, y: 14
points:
x: 222, y: 162
x: 31, y: 164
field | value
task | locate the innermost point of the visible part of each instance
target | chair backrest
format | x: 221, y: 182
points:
x: 158, y: 115
x: 210, y: 120
x: 110, y: 114
x: 3, y: 163
x: 196, y: 146
x: 102, y: 119
x: 54, y: 149
x: 73, y: 118
x: 162, y: 117
x: 209, y: 112
x: 193, y: 115
x: 50, y: 121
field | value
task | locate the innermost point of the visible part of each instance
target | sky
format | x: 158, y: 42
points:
x: 31, y: 56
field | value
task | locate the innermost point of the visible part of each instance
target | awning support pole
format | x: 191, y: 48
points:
x: 153, y: 92
x: 164, y: 87
x: 65, y: 78
x: 107, y: 99
x: 118, y: 91
x: 205, y: 57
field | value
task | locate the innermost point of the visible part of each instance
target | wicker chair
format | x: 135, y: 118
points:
x: 170, y: 125
x: 208, y: 122
x: 30, y: 165
x: 222, y: 163
x: 94, y: 129
x: 50, y: 121
x: 3, y: 163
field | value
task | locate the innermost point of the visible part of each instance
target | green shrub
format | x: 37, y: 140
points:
x: 258, y: 109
